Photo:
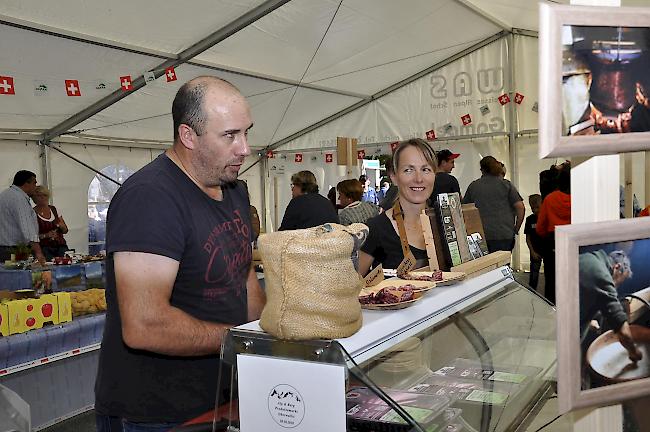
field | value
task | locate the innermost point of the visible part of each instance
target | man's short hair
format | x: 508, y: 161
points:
x: 534, y: 199
x: 306, y: 181
x: 187, y: 107
x: 620, y: 257
x: 445, y: 155
x: 352, y: 189
x: 22, y: 177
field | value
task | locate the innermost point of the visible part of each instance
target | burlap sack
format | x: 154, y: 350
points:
x: 312, y: 285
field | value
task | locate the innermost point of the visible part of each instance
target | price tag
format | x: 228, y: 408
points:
x: 407, y: 265
x: 375, y: 276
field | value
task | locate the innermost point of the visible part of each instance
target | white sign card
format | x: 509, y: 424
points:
x: 279, y: 395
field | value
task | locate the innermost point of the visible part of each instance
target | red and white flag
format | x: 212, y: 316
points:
x: 7, y: 85
x: 72, y: 88
x: 298, y: 158
x: 126, y: 83
x: 270, y: 154
x: 361, y: 154
x: 329, y: 157
x: 504, y: 99
x: 466, y: 119
x: 519, y: 98
x: 170, y: 74
x: 431, y: 135
x: 393, y: 146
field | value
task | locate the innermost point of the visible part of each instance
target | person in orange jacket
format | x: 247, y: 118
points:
x: 555, y: 210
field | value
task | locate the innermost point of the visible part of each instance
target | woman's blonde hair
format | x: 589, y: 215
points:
x: 42, y: 190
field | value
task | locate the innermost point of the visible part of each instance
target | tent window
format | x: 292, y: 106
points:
x: 100, y: 193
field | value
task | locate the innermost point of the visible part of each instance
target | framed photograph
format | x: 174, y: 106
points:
x: 603, y: 311
x: 594, y: 75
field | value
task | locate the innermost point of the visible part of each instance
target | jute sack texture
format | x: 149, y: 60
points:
x: 312, y: 285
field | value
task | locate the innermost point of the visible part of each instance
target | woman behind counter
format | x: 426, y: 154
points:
x: 307, y: 207
x: 51, y: 226
x: 414, y: 165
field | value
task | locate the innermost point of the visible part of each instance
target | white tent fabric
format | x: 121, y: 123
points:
x: 312, y: 70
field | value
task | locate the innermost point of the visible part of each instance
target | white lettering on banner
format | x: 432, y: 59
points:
x: 487, y: 85
x: 438, y: 87
x: 462, y: 84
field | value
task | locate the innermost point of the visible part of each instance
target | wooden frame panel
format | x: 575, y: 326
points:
x: 568, y: 241
x: 553, y: 141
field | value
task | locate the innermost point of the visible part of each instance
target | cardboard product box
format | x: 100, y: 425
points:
x: 64, y: 303
x: 4, y: 320
x: 31, y: 313
x: 437, y: 251
x: 455, y: 209
x: 474, y: 225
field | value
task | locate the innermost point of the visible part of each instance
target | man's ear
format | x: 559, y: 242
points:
x: 187, y: 136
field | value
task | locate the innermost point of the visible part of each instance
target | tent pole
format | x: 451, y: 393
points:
x: 512, y: 136
x: 45, y: 164
x: 191, y: 52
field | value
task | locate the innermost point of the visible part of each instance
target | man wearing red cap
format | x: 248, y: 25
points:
x: 445, y: 182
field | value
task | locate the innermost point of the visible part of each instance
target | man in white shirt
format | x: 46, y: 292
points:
x: 17, y: 218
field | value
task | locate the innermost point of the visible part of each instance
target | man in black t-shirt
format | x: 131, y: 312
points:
x: 178, y: 264
x: 445, y: 182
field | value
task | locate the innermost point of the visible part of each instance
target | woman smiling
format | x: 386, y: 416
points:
x: 397, y: 229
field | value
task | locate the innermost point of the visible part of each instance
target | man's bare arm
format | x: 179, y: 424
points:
x: 256, y: 297
x: 149, y: 322
x: 520, y: 212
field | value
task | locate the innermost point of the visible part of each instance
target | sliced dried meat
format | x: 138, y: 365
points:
x: 436, y: 275
x: 389, y: 295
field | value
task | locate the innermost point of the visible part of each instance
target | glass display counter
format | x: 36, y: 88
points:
x: 476, y: 356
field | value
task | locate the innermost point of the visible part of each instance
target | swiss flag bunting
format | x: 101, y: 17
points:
x: 329, y: 157
x: 504, y: 99
x: 269, y: 154
x: 298, y: 158
x: 126, y: 83
x: 431, y: 135
x: 170, y: 74
x: 72, y: 88
x: 466, y: 119
x: 519, y: 98
x: 7, y: 85
x: 393, y: 146
x: 361, y: 154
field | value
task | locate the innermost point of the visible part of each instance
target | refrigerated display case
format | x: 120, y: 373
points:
x: 476, y: 356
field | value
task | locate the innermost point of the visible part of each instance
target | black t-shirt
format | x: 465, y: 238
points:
x: 159, y: 210
x: 445, y: 183
x: 384, y: 245
x: 307, y: 211
x: 529, y: 229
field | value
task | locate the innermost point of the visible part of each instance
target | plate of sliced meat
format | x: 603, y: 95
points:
x: 389, y: 297
x: 440, y: 278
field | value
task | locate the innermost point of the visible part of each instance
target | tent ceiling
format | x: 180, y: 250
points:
x: 370, y: 45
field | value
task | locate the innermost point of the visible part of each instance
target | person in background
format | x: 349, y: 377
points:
x: 307, y: 207
x: 391, y: 194
x: 414, y: 165
x: 369, y: 193
x: 385, y: 185
x: 445, y: 182
x: 533, y: 240
x: 555, y: 210
x: 636, y: 207
x: 17, y: 218
x: 255, y: 218
x: 51, y: 225
x: 499, y: 204
x: 600, y: 275
x: 331, y: 195
x: 354, y: 210
x: 178, y: 268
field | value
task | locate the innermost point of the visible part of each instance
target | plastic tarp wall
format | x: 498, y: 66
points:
x: 70, y: 182
x: 17, y: 155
